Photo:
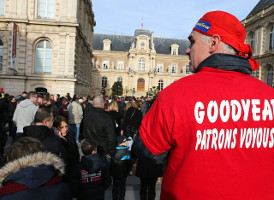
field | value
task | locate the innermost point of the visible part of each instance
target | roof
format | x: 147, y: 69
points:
x: 123, y: 42
x: 260, y: 6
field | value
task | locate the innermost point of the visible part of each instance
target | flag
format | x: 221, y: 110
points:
x: 142, y: 24
x: 155, y: 70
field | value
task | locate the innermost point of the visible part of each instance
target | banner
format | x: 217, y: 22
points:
x: 13, y: 46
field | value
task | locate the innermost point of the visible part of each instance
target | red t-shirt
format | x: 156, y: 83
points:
x: 219, y: 128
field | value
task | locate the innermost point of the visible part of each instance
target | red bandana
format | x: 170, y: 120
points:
x: 231, y: 31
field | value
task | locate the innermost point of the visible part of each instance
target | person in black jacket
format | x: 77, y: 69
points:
x: 41, y: 129
x: 116, y: 117
x: 98, y: 127
x: 120, y: 166
x: 71, y: 157
x: 91, y: 177
x: 132, y: 119
x: 149, y: 168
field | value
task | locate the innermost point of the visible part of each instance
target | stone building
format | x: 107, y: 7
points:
x: 259, y: 26
x: 52, y: 51
x: 139, y: 62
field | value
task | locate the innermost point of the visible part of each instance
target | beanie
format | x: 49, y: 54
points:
x: 230, y: 30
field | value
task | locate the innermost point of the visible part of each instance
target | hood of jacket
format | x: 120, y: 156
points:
x: 26, y: 103
x: 92, y: 163
x: 40, y: 132
x: 33, y: 170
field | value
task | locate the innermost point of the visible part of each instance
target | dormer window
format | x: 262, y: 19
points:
x: 106, y: 45
x: 174, y: 49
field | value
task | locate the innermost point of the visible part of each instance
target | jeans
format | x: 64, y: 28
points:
x: 119, y: 189
x: 75, y: 128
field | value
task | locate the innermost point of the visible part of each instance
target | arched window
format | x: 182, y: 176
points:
x: 252, y: 42
x: 270, y: 76
x: 120, y: 79
x: 271, y: 38
x: 2, y: 7
x: 161, y: 84
x: 142, y: 64
x: 1, y: 54
x: 46, y: 9
x: 104, y: 82
x: 43, y: 58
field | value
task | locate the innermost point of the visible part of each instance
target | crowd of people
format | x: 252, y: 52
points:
x: 101, y: 129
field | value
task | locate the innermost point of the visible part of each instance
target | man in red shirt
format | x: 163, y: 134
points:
x: 217, y: 124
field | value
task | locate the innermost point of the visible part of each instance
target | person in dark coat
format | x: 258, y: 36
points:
x: 32, y: 173
x: 98, y: 127
x: 67, y: 138
x: 42, y: 130
x: 120, y: 166
x: 91, y: 177
x: 149, y: 168
x: 63, y: 108
x: 116, y: 117
x: 145, y: 106
x: 132, y: 119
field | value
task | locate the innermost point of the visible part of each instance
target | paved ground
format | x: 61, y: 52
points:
x: 132, y: 189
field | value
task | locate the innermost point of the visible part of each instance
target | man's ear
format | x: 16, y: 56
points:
x: 215, y: 42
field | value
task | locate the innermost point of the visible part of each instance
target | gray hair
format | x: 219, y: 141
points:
x: 226, y: 48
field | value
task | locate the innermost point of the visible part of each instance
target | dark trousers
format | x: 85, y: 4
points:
x: 119, y: 189
x: 147, y: 188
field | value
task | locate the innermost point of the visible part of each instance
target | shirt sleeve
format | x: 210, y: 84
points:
x: 156, y: 127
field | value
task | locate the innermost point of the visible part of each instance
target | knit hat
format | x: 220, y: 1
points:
x: 230, y: 30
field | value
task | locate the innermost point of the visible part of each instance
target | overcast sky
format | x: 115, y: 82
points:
x: 166, y: 18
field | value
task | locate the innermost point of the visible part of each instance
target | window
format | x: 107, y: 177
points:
x: 104, y: 82
x: 105, y: 65
x: 161, y: 84
x: 43, y: 59
x: 142, y: 64
x: 106, y: 44
x: 106, y: 47
x: 120, y: 65
x: 174, y: 49
x: 46, y: 9
x: 2, y: 7
x: 187, y: 69
x: 271, y: 38
x: 270, y: 76
x: 173, y: 68
x: 174, y: 52
x: 1, y: 54
x: 252, y: 41
x: 120, y: 79
x: 160, y: 68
